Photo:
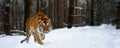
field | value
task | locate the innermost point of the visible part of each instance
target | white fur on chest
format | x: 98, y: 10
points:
x: 32, y: 30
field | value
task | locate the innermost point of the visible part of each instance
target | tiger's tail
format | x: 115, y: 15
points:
x: 23, y: 40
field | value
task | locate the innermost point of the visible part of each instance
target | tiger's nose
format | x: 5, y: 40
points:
x: 46, y: 32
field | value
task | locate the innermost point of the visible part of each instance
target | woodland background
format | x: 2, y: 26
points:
x: 63, y: 13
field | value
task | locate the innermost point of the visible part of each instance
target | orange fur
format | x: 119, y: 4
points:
x: 40, y: 21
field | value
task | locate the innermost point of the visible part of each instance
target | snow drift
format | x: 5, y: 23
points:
x: 104, y: 36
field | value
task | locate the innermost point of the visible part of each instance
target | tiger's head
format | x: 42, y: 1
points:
x: 44, y: 23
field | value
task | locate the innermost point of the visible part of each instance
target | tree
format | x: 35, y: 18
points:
x: 26, y: 10
x: 38, y: 6
x: 70, y: 13
x: 118, y: 17
x: 92, y: 13
x: 6, y: 16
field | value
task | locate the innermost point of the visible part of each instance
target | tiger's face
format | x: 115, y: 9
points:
x: 44, y: 23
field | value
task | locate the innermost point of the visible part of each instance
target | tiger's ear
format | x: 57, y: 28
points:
x: 39, y: 14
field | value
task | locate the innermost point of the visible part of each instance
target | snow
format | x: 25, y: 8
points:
x: 104, y: 36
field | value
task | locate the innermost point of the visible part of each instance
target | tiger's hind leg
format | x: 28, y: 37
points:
x: 27, y: 38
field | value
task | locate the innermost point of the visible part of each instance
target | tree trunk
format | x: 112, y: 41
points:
x: 26, y: 10
x: 38, y: 6
x: 59, y: 13
x: 6, y: 18
x: 70, y: 13
x: 16, y: 15
x: 42, y: 6
x: 118, y: 17
x: 92, y: 13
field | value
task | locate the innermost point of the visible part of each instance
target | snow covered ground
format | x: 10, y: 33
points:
x: 104, y: 36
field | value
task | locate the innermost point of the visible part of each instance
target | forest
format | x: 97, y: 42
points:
x: 63, y: 13
x: 73, y: 24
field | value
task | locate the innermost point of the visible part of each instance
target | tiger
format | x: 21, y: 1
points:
x: 38, y: 25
